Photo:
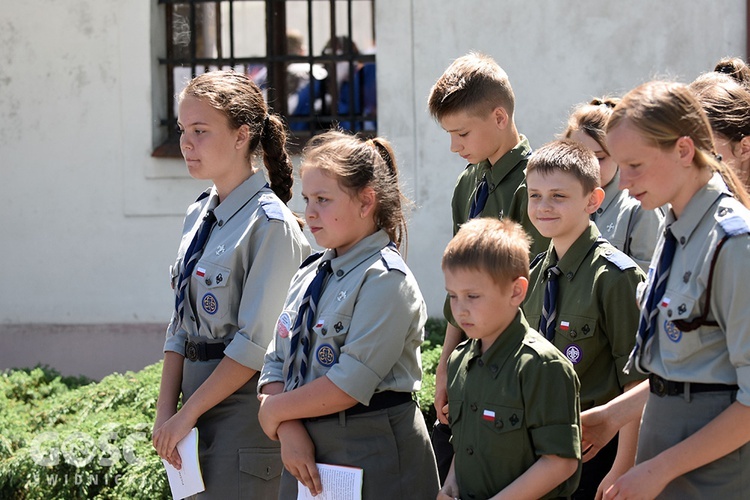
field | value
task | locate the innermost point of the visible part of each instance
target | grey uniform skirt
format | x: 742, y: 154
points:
x: 392, y: 446
x: 670, y: 419
x: 236, y: 457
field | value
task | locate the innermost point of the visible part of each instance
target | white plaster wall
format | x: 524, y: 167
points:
x: 556, y: 52
x: 90, y: 221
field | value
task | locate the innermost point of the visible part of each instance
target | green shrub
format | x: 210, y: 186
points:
x: 69, y: 438
x: 63, y: 439
x: 431, y: 348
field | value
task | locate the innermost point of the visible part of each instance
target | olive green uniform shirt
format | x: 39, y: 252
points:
x: 507, y: 192
x: 509, y: 406
x: 597, y: 312
x: 508, y: 197
x: 626, y: 225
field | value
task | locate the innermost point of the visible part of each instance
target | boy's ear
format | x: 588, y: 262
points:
x: 500, y: 114
x: 367, y: 199
x: 595, y: 200
x: 520, y: 287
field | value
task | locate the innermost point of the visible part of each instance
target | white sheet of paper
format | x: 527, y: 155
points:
x: 188, y: 480
x: 339, y: 483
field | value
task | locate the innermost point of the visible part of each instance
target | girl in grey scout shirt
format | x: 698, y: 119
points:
x: 228, y: 298
x: 694, y: 338
x: 620, y: 218
x: 338, y: 376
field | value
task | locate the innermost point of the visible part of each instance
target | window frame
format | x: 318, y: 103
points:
x: 275, y: 60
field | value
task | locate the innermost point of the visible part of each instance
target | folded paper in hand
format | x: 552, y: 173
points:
x: 188, y: 480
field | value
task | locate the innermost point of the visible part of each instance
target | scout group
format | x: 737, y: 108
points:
x: 598, y: 339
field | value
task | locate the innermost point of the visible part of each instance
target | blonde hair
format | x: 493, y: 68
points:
x: 499, y: 248
x: 358, y: 163
x: 473, y: 84
x: 665, y: 111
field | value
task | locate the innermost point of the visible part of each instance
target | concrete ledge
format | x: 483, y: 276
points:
x: 91, y: 350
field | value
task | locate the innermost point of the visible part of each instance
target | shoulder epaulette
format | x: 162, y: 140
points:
x: 310, y: 259
x: 271, y: 205
x: 619, y: 258
x: 535, y: 341
x: 536, y: 259
x: 392, y: 259
x: 733, y: 224
x: 203, y: 195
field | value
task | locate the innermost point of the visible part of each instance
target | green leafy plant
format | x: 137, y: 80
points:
x: 70, y: 438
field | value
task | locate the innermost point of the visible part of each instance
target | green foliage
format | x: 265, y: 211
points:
x: 69, y: 438
x: 431, y: 348
x: 66, y: 438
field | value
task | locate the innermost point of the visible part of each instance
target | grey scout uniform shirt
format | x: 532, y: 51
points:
x: 626, y: 225
x: 709, y: 354
x: 508, y: 406
x: 368, y: 327
x: 597, y: 313
x: 239, y: 283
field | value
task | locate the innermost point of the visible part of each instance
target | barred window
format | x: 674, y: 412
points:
x: 313, y: 59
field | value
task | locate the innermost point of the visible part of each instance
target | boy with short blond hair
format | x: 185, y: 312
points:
x: 474, y: 102
x: 513, y: 397
x: 582, y: 291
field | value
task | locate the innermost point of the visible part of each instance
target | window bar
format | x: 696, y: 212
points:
x: 217, y: 27
x: 193, y: 39
x: 333, y: 81
x: 231, y: 34
x: 170, y: 122
x: 311, y: 86
x: 352, y: 78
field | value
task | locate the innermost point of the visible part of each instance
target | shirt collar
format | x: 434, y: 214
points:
x: 503, y: 347
x: 573, y: 258
x: 361, y: 251
x: 238, y: 198
x: 696, y: 208
x: 611, y: 191
x: 507, y: 163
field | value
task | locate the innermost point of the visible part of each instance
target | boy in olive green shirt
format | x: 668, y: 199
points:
x: 582, y: 291
x: 474, y: 102
x: 513, y: 397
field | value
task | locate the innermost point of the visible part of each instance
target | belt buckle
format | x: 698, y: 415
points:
x: 659, y: 386
x: 191, y: 351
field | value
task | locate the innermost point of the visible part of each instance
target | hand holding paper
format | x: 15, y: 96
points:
x: 188, y: 480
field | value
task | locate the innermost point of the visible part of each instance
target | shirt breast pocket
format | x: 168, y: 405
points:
x: 575, y: 328
x: 680, y: 322
x: 214, y: 293
x: 500, y: 422
x: 574, y: 335
x: 329, y: 332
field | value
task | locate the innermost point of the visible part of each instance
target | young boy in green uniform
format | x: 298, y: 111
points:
x: 513, y: 397
x: 474, y: 102
x: 582, y: 291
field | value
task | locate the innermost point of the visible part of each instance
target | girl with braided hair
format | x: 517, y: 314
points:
x: 240, y: 246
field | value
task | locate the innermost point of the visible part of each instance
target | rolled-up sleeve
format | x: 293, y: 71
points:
x: 385, y: 328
